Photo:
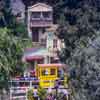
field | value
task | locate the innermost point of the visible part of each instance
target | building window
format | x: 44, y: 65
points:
x: 35, y: 35
x: 43, y: 42
x: 43, y: 30
x: 36, y: 15
x: 46, y: 15
x: 52, y: 72
x: 55, y: 43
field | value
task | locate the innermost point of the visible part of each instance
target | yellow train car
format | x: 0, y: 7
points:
x: 49, y: 73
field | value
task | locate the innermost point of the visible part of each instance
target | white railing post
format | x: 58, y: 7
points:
x: 26, y: 93
x: 10, y: 94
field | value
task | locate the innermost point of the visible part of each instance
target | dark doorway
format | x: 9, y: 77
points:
x: 35, y: 35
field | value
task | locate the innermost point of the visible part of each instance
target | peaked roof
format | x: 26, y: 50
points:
x: 40, y: 7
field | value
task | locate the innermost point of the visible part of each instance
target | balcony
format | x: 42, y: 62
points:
x: 41, y: 19
x: 41, y: 22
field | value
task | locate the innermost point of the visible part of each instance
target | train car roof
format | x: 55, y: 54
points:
x: 51, y: 65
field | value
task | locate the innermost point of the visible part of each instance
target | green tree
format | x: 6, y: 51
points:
x: 30, y: 94
x: 11, y: 50
x: 42, y: 93
x: 13, y: 40
x: 6, y: 15
x: 7, y: 19
x: 79, y: 28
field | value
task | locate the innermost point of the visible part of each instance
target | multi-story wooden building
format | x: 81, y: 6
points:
x: 41, y: 30
x: 40, y: 17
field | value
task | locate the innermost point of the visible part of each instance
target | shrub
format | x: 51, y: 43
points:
x: 42, y: 93
x: 30, y: 95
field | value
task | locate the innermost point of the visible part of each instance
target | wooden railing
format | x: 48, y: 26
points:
x: 20, y: 93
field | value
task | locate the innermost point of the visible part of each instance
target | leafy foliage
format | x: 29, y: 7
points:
x: 7, y: 19
x: 11, y: 48
x: 42, y: 93
x: 20, y: 30
x: 30, y: 94
x: 5, y: 14
x: 79, y: 29
x: 85, y: 74
x: 79, y: 25
x: 13, y: 40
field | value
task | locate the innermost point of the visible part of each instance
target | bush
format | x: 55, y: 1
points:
x: 30, y: 95
x: 42, y: 93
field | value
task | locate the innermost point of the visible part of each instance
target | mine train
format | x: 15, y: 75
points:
x: 45, y: 76
x: 51, y: 75
x: 48, y: 76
